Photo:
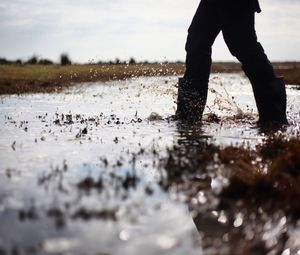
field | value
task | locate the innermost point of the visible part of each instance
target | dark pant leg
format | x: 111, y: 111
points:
x: 237, y: 19
x: 201, y: 36
x: 238, y: 27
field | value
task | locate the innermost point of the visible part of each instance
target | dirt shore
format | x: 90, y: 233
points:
x: 21, y: 79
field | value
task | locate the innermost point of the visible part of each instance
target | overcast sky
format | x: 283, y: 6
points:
x: 145, y: 29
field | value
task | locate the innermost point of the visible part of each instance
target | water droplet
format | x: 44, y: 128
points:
x: 166, y: 242
x: 286, y: 252
x: 124, y: 235
x: 60, y: 245
x: 238, y: 221
x: 202, y: 198
x: 223, y: 218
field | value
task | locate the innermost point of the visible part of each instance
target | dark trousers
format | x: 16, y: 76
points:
x: 236, y: 19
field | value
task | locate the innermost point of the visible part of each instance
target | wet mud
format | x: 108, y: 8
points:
x: 105, y: 170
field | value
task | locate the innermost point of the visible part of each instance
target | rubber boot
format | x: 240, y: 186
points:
x: 271, y: 102
x: 191, y: 100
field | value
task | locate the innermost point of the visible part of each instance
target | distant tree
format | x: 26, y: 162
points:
x: 18, y: 62
x: 45, y: 62
x: 132, y: 61
x: 3, y: 61
x: 65, y: 60
x: 32, y: 61
x: 117, y: 61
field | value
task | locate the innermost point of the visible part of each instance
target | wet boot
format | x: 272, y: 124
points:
x: 191, y: 100
x: 271, y: 102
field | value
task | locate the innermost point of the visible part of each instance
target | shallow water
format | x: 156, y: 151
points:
x: 50, y: 143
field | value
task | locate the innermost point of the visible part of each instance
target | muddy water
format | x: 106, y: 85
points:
x: 80, y: 169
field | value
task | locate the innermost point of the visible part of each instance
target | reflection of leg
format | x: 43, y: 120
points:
x: 240, y: 36
x: 192, y: 91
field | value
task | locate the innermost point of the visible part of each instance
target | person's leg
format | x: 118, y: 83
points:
x: 238, y: 27
x: 192, y: 90
x: 201, y: 35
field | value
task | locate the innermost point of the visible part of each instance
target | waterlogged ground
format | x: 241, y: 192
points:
x: 97, y: 170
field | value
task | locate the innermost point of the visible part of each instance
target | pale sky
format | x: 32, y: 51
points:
x: 95, y: 30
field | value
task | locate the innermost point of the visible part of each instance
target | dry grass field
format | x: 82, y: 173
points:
x: 20, y: 79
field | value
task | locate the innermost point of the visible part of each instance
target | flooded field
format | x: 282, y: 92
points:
x: 101, y: 168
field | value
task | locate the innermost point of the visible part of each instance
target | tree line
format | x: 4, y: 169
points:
x: 66, y: 60
x: 35, y: 60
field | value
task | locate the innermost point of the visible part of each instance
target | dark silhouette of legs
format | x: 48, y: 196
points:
x: 201, y: 36
x: 238, y: 28
x: 236, y: 20
x: 192, y: 89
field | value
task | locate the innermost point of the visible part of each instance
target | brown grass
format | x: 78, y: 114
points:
x: 20, y: 79
x: 270, y: 172
x: 262, y: 183
x: 289, y: 70
x: 267, y: 176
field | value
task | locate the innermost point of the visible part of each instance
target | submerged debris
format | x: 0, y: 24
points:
x: 154, y: 116
x: 87, y: 215
x: 89, y: 183
x: 82, y: 132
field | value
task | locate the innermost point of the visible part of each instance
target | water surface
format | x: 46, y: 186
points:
x: 79, y: 169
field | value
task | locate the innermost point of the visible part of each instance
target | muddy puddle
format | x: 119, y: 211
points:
x: 103, y: 169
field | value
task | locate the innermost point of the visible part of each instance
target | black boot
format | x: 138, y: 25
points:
x: 271, y: 101
x: 191, y: 101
